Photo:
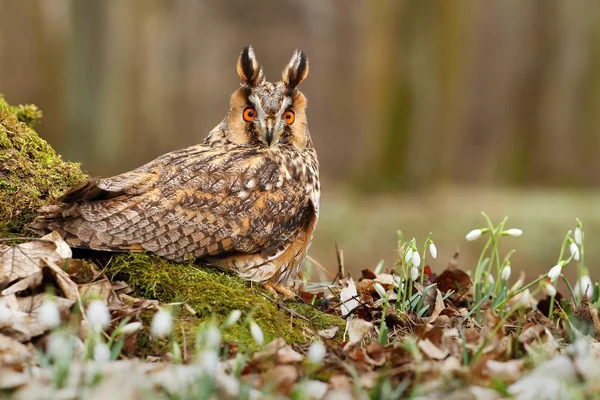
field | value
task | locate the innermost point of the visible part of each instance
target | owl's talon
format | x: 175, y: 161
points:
x: 278, y: 289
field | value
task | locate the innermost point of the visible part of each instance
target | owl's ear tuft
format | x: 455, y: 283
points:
x: 248, y: 68
x: 296, y: 71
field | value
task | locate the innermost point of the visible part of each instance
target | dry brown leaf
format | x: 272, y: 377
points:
x: 23, y: 260
x: 328, y: 333
x: 12, y: 320
x: 13, y: 378
x: 31, y: 305
x: 509, y: 371
x: 376, y: 354
x: 287, y: 355
x: 438, y: 306
x: 431, y: 350
x: 357, y: 329
x: 12, y: 352
x: 283, y: 377
x: 101, y: 289
x: 453, y: 279
x: 31, y: 281
x: 63, y: 280
x: 341, y: 383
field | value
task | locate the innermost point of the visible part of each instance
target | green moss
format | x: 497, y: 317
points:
x: 212, y: 293
x: 31, y: 173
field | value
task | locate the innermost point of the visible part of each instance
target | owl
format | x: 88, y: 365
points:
x: 245, y: 199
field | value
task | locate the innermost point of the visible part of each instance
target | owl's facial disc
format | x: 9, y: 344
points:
x: 270, y: 103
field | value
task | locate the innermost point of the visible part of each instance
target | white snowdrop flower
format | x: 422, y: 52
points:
x: 505, y: 272
x: 525, y: 298
x: 555, y: 272
x: 380, y: 290
x: 408, y: 256
x: 316, y: 352
x: 550, y: 289
x: 474, y: 235
x: 584, y: 286
x: 578, y: 236
x: 98, y: 315
x: 257, y: 333
x: 414, y: 273
x: 49, y: 314
x: 314, y: 389
x: 59, y: 346
x: 209, y: 362
x: 233, y: 317
x: 162, y: 324
x: 433, y: 250
x: 491, y: 279
x: 397, y: 280
x: 416, y: 259
x: 574, y: 251
x: 101, y: 353
x: 130, y: 328
x: 513, y: 232
x: 213, y: 337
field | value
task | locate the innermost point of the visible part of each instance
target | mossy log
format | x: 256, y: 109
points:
x: 33, y: 174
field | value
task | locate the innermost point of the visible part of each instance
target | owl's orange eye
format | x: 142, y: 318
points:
x: 249, y: 114
x: 289, y: 117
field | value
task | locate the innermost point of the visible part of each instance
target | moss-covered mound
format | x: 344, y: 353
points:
x: 32, y: 174
x: 212, y: 293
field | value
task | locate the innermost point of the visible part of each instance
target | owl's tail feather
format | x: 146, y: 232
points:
x: 65, y: 220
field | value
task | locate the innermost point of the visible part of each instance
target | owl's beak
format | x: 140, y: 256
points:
x: 269, y: 132
x: 269, y: 136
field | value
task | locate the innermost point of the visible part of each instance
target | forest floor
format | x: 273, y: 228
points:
x: 136, y: 326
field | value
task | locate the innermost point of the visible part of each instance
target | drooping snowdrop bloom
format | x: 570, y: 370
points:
x: 98, y: 315
x: 506, y: 271
x: 574, y: 251
x: 209, y: 362
x: 162, y: 324
x: 316, y: 352
x: 213, y: 336
x: 257, y: 333
x: 408, y: 256
x: 474, y: 235
x: 513, y: 232
x: 578, y: 236
x: 380, y: 290
x: 233, y: 317
x: 49, y: 314
x: 584, y: 286
x: 550, y: 289
x: 491, y: 279
x: 525, y: 298
x: 60, y: 346
x: 416, y: 259
x: 433, y: 250
x: 101, y: 353
x: 130, y: 328
x: 555, y: 272
x: 414, y: 273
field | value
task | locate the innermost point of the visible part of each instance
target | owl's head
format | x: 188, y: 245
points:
x: 265, y: 113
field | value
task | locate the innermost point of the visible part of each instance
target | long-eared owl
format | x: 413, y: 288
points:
x: 245, y: 199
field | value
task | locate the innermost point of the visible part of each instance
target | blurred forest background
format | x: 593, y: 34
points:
x: 423, y: 113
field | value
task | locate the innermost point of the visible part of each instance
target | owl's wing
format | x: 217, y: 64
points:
x: 198, y: 201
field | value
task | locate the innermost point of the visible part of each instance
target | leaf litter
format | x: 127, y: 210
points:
x: 428, y: 342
